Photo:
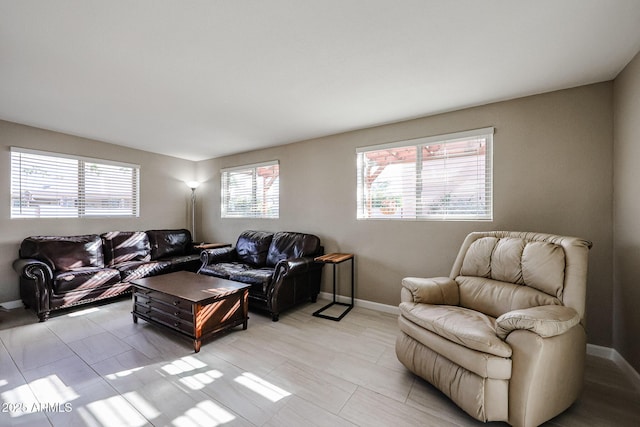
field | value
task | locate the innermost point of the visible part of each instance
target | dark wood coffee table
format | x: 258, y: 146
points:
x: 194, y: 305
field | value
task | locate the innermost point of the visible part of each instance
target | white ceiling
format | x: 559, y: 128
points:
x: 202, y: 79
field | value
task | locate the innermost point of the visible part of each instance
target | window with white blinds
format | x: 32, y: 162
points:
x: 445, y: 177
x: 251, y: 191
x: 51, y: 185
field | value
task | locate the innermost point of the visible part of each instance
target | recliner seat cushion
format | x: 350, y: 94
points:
x: 484, y: 365
x: 462, y: 326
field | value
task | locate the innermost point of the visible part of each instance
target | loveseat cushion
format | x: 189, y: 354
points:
x: 224, y: 269
x: 123, y: 246
x: 166, y: 243
x: 64, y: 253
x: 469, y: 328
x: 252, y: 247
x: 286, y: 245
x: 259, y: 278
x: 84, y: 279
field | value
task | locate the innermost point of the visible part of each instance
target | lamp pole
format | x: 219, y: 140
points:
x: 193, y: 185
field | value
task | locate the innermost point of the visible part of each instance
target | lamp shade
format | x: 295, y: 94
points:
x: 193, y: 184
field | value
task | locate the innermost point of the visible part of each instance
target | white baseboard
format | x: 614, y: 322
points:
x: 613, y: 355
x: 361, y: 303
x: 9, y: 305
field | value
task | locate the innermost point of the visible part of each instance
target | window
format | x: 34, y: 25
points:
x: 446, y: 177
x: 50, y: 185
x: 251, y: 191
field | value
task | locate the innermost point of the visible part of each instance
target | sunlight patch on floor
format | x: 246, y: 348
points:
x: 262, y: 387
x: 184, y: 364
x: 200, y: 380
x: 204, y: 414
x: 114, y: 411
x: 83, y: 312
x: 121, y: 374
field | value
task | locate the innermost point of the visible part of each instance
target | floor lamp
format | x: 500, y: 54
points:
x: 193, y: 185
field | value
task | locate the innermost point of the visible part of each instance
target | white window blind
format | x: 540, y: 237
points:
x: 51, y: 185
x: 445, y: 177
x: 251, y: 191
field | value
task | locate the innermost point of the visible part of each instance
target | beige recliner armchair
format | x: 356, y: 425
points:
x: 503, y: 336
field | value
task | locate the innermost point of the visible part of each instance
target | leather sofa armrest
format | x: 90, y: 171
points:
x: 435, y: 290
x: 293, y: 266
x: 33, y: 269
x: 212, y: 256
x: 546, y: 320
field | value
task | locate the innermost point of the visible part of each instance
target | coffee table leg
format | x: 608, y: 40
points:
x: 245, y: 308
x: 135, y: 318
x: 196, y: 345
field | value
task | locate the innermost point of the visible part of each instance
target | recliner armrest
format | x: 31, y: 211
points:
x: 546, y: 320
x: 434, y: 290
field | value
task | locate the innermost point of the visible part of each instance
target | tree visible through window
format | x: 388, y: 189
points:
x: 446, y: 177
x: 61, y: 186
x: 251, y: 191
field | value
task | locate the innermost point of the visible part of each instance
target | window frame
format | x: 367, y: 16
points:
x: 364, y: 195
x: 257, y: 209
x: 82, y: 186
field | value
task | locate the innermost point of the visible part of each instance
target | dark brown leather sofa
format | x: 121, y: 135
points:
x: 57, y: 272
x: 278, y: 266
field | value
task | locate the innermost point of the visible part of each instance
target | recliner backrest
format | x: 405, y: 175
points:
x: 503, y: 271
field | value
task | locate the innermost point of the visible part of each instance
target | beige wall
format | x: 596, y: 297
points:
x: 164, y: 196
x: 553, y: 156
x: 626, y: 291
x: 552, y: 173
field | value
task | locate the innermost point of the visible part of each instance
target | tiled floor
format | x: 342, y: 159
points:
x: 96, y: 367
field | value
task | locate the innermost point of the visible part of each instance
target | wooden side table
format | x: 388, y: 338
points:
x: 335, y: 259
x: 212, y: 245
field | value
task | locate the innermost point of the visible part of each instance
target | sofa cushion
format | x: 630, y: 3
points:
x: 165, y: 243
x: 64, y: 253
x: 86, y: 279
x: 185, y: 262
x: 260, y: 277
x: 252, y: 247
x: 122, y: 246
x: 287, y: 245
x: 133, y: 270
x: 224, y: 269
x: 468, y: 328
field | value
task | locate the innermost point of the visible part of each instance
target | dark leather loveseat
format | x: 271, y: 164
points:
x: 279, y: 267
x: 62, y: 271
